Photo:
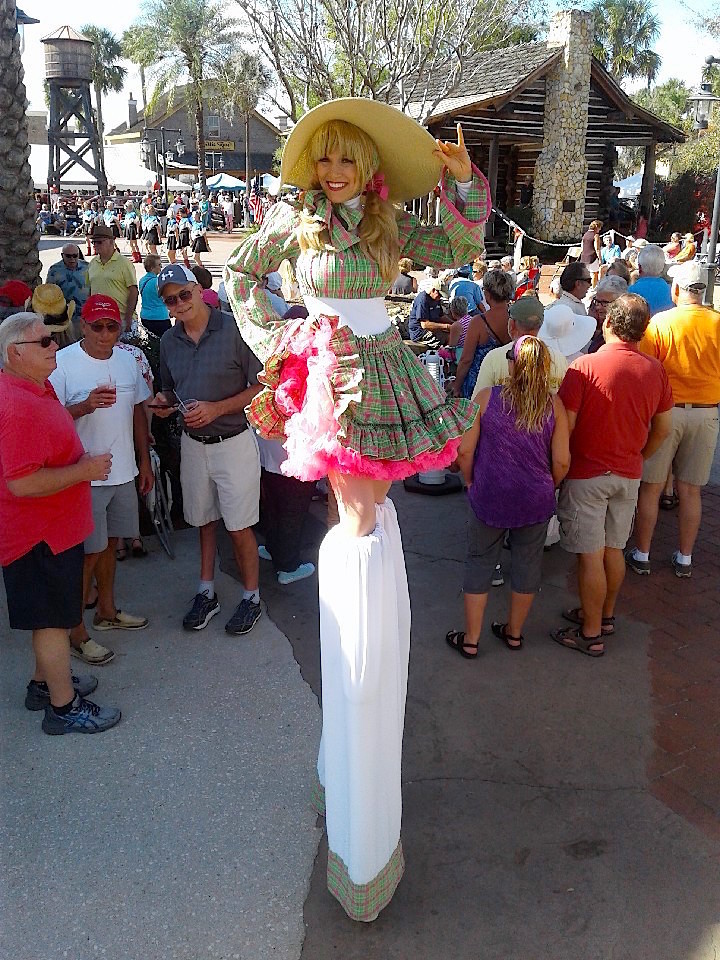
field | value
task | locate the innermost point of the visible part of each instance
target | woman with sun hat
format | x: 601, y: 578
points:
x: 351, y: 401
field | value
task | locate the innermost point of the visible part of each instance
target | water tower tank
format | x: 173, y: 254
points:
x: 68, y: 57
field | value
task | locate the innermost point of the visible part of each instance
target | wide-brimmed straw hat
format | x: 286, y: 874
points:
x: 566, y: 331
x: 404, y: 146
x: 48, y: 300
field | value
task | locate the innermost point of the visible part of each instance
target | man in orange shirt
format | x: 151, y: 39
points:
x: 686, y: 340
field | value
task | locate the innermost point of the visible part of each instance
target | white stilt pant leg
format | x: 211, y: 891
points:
x: 364, y: 677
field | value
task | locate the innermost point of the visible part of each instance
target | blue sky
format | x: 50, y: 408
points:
x: 682, y: 47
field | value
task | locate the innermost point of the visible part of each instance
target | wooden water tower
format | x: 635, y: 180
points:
x: 68, y: 60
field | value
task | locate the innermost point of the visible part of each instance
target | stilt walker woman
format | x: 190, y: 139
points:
x: 351, y: 401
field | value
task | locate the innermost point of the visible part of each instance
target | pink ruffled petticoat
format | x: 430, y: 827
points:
x: 363, y: 406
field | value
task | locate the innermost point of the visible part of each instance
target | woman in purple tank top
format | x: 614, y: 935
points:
x: 513, y: 457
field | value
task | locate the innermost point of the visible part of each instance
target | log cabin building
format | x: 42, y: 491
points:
x: 544, y: 120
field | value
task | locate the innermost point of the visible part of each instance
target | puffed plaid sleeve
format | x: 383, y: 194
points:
x: 259, y: 254
x: 461, y: 235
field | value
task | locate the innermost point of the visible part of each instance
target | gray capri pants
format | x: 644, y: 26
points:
x: 485, y: 549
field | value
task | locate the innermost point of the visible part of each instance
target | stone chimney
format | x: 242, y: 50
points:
x: 561, y: 169
x: 132, y: 112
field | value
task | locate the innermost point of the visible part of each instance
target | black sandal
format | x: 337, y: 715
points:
x: 668, y: 501
x: 500, y: 631
x: 138, y: 551
x: 574, y: 616
x: 574, y: 639
x: 456, y: 639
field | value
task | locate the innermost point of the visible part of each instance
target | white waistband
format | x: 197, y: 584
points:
x: 364, y: 317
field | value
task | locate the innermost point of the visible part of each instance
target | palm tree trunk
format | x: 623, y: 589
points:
x: 200, y: 136
x: 246, y: 207
x: 19, y: 258
x: 100, y: 127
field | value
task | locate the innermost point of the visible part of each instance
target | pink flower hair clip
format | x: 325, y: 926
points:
x: 377, y: 185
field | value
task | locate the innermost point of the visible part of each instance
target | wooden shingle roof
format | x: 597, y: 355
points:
x: 489, y: 76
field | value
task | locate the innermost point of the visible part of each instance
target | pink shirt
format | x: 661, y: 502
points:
x: 211, y: 298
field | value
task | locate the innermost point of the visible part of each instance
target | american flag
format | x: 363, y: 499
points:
x: 255, y: 202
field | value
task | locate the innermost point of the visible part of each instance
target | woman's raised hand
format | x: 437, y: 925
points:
x: 455, y: 157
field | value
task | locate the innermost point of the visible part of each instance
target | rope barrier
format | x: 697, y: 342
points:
x: 547, y: 243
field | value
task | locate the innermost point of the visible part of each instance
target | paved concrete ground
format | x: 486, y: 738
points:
x: 554, y: 806
x: 184, y: 833
x: 539, y: 820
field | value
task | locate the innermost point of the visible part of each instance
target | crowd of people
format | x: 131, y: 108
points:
x: 584, y: 410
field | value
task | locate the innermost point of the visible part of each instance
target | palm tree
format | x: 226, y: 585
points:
x: 19, y: 258
x: 239, y: 85
x: 625, y: 31
x: 181, y: 40
x: 133, y: 50
x: 105, y: 72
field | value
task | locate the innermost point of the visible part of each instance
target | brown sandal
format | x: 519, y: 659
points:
x: 575, y: 616
x: 572, y: 638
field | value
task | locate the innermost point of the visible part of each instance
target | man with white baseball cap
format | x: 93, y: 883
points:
x: 209, y: 373
x: 686, y: 340
x: 565, y: 331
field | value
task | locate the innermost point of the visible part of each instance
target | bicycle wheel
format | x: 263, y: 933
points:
x: 157, y: 504
x: 161, y: 519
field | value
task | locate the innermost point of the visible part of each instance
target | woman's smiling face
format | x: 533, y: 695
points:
x: 338, y: 177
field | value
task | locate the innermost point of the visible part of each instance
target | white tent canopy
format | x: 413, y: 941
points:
x: 122, y: 167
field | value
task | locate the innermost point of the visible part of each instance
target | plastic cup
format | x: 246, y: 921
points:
x: 187, y: 406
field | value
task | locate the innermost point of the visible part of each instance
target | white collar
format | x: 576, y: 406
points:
x: 355, y: 203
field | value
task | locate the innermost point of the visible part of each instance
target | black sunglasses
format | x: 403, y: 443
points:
x: 71, y: 256
x: 171, y: 300
x: 113, y: 326
x: 43, y: 341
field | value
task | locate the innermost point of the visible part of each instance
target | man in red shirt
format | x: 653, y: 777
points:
x: 619, y: 406
x: 44, y: 517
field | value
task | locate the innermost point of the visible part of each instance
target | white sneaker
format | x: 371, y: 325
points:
x: 92, y: 652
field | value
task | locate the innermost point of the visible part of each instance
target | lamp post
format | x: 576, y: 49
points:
x: 167, y: 155
x: 705, y: 103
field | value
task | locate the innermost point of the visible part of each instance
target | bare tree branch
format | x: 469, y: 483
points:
x: 409, y: 52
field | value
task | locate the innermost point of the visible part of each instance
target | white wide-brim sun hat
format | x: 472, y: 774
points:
x: 404, y: 146
x: 564, y: 330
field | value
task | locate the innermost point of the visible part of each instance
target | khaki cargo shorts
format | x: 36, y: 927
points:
x: 689, y: 449
x: 221, y: 480
x: 597, y: 513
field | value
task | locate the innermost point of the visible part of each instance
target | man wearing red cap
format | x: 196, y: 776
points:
x: 13, y: 296
x: 103, y: 390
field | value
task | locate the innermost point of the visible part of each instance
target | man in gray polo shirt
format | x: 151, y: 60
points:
x: 208, y: 372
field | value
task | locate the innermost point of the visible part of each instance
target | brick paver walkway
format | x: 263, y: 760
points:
x: 684, y: 655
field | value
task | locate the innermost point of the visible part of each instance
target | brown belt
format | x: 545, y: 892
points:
x: 696, y: 406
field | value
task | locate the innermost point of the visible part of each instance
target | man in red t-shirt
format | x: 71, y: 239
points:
x: 619, y: 411
x: 44, y: 517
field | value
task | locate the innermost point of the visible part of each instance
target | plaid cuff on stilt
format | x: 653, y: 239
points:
x: 317, y: 798
x: 364, y: 901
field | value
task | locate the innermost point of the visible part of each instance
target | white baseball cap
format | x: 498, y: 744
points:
x: 689, y: 276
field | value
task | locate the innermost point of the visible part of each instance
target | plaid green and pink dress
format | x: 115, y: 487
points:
x: 363, y: 405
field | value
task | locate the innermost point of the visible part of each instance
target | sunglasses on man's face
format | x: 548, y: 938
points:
x: 112, y: 327
x: 43, y: 341
x: 70, y: 256
x: 172, y: 299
